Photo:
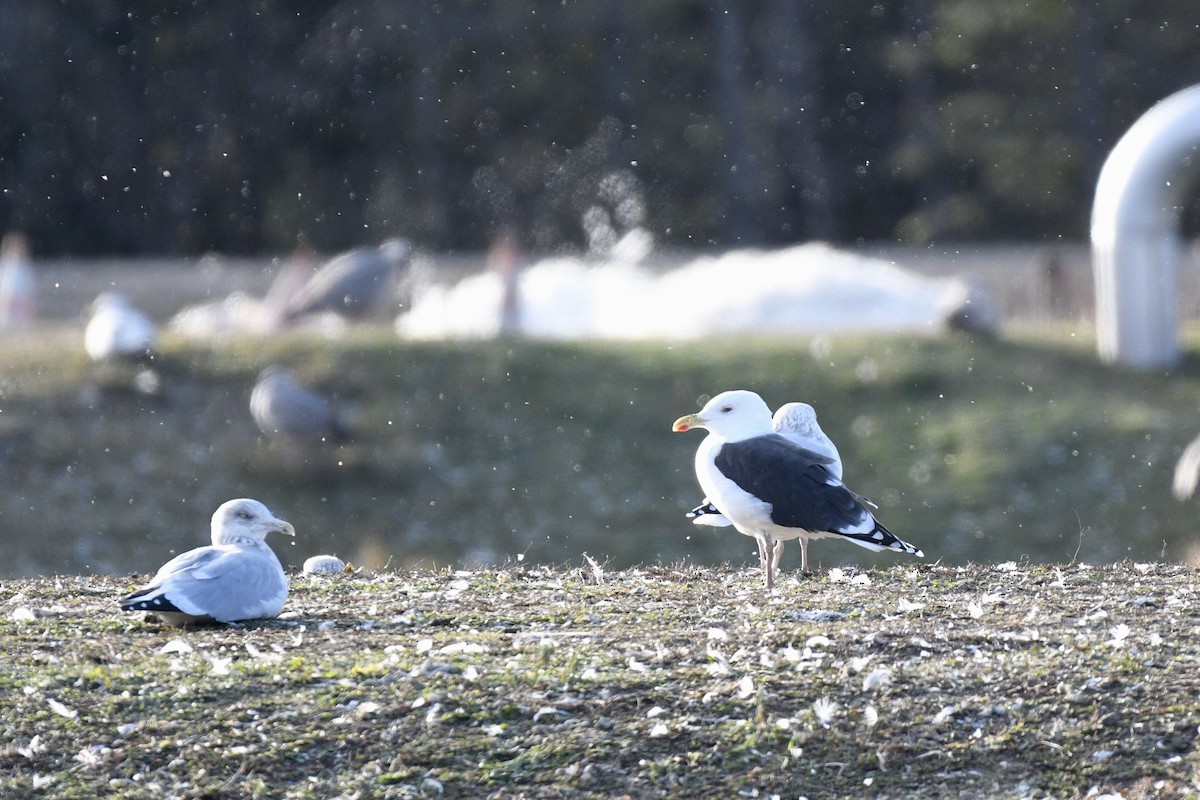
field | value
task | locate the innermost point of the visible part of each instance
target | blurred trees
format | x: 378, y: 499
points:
x: 247, y: 127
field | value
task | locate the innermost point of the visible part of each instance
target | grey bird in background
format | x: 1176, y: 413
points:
x: 283, y: 408
x: 353, y: 283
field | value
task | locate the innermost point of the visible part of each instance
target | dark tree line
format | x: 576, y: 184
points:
x: 246, y: 127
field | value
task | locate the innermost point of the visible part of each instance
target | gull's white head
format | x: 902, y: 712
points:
x: 732, y: 416
x: 244, y: 520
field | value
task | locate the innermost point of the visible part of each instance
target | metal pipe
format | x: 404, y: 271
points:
x: 1136, y: 246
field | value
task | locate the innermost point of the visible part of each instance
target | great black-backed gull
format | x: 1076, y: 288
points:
x: 797, y: 422
x: 237, y: 577
x: 282, y: 407
x: 772, y: 488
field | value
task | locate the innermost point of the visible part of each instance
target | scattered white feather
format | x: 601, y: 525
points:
x: 60, y: 709
x: 176, y: 646
x: 857, y: 664
x: 879, y: 678
x: 825, y: 710
x: 548, y: 711
x: 907, y: 605
x: 946, y: 713
x: 745, y: 687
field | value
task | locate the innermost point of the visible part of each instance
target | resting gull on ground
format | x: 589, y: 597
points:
x: 351, y: 284
x: 772, y: 488
x: 117, y: 330
x: 282, y: 407
x: 237, y: 577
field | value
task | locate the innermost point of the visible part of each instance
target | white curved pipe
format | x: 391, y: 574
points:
x: 1135, y: 232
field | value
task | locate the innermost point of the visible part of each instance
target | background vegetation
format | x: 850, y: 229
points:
x: 976, y: 451
x: 247, y: 127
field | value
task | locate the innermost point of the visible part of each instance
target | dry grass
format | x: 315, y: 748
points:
x: 1014, y: 680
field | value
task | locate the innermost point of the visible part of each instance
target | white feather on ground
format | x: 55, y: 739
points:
x: 238, y: 577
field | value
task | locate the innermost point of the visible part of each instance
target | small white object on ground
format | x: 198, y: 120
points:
x: 324, y: 565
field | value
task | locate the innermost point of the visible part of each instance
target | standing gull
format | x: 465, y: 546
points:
x: 237, y: 577
x: 772, y: 488
x: 798, y: 423
x: 282, y: 407
x: 351, y: 284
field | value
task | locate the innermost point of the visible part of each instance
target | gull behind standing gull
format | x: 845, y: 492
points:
x: 772, y: 488
x: 238, y: 577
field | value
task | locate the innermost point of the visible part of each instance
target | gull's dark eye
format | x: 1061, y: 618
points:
x: 726, y: 409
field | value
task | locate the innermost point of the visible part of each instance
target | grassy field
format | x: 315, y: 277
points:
x: 1007, y: 681
x: 485, y: 453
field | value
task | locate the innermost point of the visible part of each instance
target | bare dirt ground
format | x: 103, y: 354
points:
x: 669, y: 681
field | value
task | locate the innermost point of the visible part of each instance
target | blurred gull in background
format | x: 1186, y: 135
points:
x: 283, y: 408
x: 351, y: 284
x: 17, y: 295
x: 117, y: 330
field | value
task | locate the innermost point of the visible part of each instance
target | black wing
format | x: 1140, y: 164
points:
x: 794, y: 480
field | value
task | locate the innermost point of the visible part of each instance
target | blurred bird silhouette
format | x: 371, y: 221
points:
x: 17, y: 290
x: 1187, y: 472
x: 351, y: 284
x: 117, y: 330
x: 283, y: 408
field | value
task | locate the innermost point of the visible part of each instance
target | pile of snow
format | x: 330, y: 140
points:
x: 809, y: 288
